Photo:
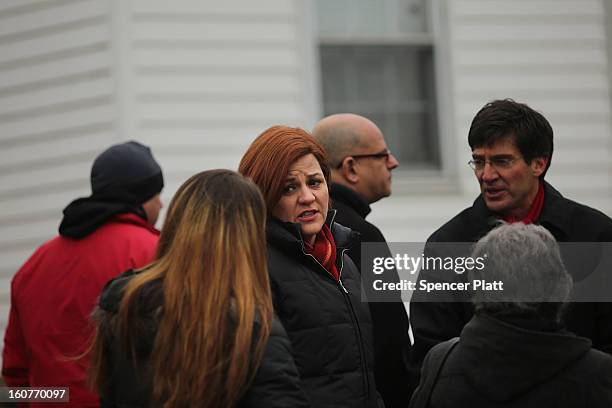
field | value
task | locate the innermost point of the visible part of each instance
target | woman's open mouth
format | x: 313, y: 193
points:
x: 307, y: 216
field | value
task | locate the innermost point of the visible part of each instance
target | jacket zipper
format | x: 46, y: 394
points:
x: 354, y: 315
x: 328, y: 272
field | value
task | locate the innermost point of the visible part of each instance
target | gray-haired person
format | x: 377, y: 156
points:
x: 514, y: 352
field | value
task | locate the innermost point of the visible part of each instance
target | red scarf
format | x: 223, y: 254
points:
x: 324, y: 251
x: 534, y: 212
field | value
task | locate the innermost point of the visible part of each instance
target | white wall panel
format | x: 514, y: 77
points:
x: 54, y: 73
x: 96, y: 33
x: 56, y: 113
x: 51, y: 18
x: 208, y: 7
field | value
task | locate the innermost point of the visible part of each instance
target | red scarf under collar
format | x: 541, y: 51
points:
x: 324, y: 250
x: 534, y: 212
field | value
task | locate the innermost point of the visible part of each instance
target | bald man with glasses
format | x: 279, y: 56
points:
x: 361, y: 175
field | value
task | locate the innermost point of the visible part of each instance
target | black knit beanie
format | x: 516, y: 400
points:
x: 123, y: 177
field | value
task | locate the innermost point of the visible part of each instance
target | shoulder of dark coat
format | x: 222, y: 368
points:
x: 112, y: 293
x: 456, y: 229
x: 590, y: 219
x: 148, y: 298
x: 344, y: 236
x: 349, y: 218
x: 596, y: 366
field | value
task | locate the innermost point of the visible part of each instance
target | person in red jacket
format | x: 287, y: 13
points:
x: 55, y: 291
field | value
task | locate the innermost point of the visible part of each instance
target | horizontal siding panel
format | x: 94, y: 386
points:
x: 32, y: 216
x: 536, y: 71
x: 596, y: 106
x: 8, y: 5
x: 53, y: 152
x: 34, y: 232
x: 227, y: 111
x: 56, y: 42
x: 56, y: 69
x: 78, y: 117
x: 185, y: 165
x: 596, y: 184
x: 495, y: 82
x: 526, y: 8
x: 494, y: 58
x: 202, y: 150
x: 17, y: 7
x: 216, y: 97
x: 275, y: 7
x: 192, y: 124
x: 218, y: 83
x: 587, y: 156
x: 529, y: 32
x: 27, y: 181
x: 45, y: 197
x: 208, y: 136
x: 13, y: 259
x: 38, y: 20
x: 244, y: 31
x: 45, y: 97
x: 577, y: 95
x: 585, y: 133
x: 575, y: 143
x: 207, y: 57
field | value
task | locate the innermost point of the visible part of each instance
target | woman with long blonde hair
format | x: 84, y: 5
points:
x: 195, y: 328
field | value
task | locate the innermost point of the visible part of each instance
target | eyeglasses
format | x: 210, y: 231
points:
x: 384, y: 154
x: 499, y: 163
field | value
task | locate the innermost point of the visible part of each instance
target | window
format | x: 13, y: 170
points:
x: 377, y: 61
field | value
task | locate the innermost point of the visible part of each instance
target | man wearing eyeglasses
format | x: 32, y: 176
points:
x: 361, y: 175
x: 512, y: 147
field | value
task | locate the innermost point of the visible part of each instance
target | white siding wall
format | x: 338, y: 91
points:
x: 550, y: 54
x: 56, y: 114
x: 209, y: 76
x: 196, y: 80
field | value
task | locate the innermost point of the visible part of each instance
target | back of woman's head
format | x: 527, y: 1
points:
x: 268, y: 159
x: 212, y: 263
x: 527, y: 260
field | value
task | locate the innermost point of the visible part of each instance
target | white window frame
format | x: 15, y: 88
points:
x: 405, y: 182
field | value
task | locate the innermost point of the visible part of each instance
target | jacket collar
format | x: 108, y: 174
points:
x: 289, y: 234
x: 556, y: 214
x: 350, y: 198
x: 131, y: 218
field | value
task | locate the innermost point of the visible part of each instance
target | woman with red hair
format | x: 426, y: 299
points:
x: 315, y: 286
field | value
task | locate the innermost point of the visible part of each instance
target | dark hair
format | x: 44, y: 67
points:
x: 269, y: 157
x: 505, y: 118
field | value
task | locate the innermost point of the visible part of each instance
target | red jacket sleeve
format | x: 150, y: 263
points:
x: 15, y: 367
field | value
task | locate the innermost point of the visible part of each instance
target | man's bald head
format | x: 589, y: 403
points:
x: 357, y: 153
x: 343, y: 133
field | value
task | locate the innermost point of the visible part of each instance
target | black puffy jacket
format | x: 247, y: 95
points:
x: 328, y: 324
x: 502, y: 363
x: 276, y: 382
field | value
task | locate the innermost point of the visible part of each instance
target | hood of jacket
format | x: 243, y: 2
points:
x: 85, y: 215
x: 503, y: 361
